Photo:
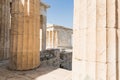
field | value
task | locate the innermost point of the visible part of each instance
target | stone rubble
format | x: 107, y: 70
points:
x: 56, y: 58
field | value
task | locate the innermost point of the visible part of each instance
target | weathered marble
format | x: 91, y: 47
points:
x: 101, y: 40
x: 24, y: 35
x: 43, y: 25
x: 118, y: 41
x: 111, y: 39
x: 4, y: 28
x: 96, y: 40
x: 84, y: 53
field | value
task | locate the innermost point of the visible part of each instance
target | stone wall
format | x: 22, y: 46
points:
x: 64, y: 38
x: 50, y: 57
x: 56, y: 58
x: 66, y: 60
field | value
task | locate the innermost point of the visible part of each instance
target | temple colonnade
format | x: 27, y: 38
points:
x: 96, y: 46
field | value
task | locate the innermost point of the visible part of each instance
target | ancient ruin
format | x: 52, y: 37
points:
x: 58, y: 37
x: 24, y: 34
x: 43, y: 22
x: 96, y: 42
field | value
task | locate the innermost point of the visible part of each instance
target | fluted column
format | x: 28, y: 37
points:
x: 24, y: 36
x: 84, y: 45
x: 53, y: 39
x: 56, y: 39
x: 40, y: 39
x: 111, y: 40
x: 4, y: 28
x: 44, y: 33
x: 118, y: 41
x: 49, y: 43
x: 101, y: 40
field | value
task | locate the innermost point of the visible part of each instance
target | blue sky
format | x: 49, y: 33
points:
x: 61, y: 12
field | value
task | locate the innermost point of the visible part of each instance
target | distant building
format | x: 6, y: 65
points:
x: 58, y: 37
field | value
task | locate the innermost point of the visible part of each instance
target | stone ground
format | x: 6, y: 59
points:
x: 41, y: 73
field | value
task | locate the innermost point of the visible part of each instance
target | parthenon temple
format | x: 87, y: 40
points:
x: 26, y: 41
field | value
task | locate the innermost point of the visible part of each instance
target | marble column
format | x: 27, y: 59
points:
x: 56, y: 39
x: 118, y: 39
x: 41, y: 25
x: 84, y: 44
x: 40, y: 39
x: 111, y: 40
x: 49, y: 39
x: 44, y: 33
x: 24, y: 35
x: 101, y: 40
x: 53, y: 38
x: 4, y: 28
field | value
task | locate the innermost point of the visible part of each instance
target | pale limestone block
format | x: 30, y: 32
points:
x: 111, y: 13
x: 101, y: 30
x: 91, y: 31
x: 118, y: 69
x: 79, y: 51
x: 118, y: 13
x: 90, y: 70
x: 101, y: 45
x: 111, y: 44
x: 79, y: 70
x: 101, y: 13
x: 111, y: 53
x: 118, y: 45
x: 80, y: 14
x: 118, y: 54
x: 84, y: 70
x: 91, y: 14
x: 118, y: 36
x: 80, y: 25
x: 111, y: 71
x: 101, y: 40
x: 84, y: 34
x: 111, y: 40
x: 90, y: 44
x: 101, y: 70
